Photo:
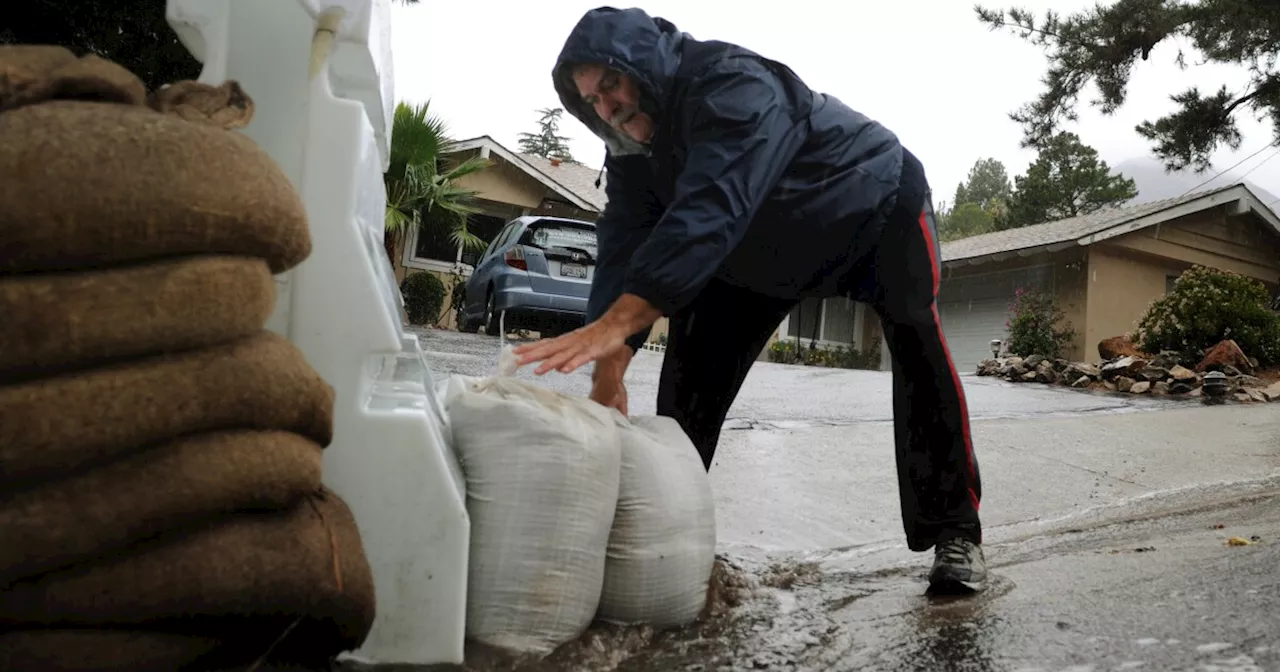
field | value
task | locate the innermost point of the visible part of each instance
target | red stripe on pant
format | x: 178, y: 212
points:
x: 936, y: 266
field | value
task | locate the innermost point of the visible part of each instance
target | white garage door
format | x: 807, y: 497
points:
x: 975, y: 308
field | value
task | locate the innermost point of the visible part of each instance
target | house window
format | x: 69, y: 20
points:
x: 1169, y: 281
x: 833, y: 321
x: 434, y: 247
x: 435, y: 244
x: 803, y: 321
x: 486, y: 227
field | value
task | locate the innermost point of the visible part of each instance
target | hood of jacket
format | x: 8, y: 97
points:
x: 630, y: 41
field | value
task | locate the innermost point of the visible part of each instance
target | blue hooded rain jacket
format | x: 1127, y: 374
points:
x: 750, y: 177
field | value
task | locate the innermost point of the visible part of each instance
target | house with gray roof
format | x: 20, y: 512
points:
x: 1104, y: 268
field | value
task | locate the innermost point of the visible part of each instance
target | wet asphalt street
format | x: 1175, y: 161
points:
x: 1102, y: 518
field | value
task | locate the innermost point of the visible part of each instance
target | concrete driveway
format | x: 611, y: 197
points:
x: 1079, y: 489
x: 806, y: 462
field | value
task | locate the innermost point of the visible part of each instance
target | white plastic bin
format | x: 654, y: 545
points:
x: 390, y: 458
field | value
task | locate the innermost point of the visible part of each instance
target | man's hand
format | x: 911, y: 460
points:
x: 607, y: 388
x: 602, y: 338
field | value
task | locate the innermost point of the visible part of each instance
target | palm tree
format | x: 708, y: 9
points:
x: 422, y: 188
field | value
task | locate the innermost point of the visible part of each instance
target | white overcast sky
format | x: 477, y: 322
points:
x: 927, y: 69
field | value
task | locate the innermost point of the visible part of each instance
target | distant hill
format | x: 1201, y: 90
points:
x: 1154, y: 183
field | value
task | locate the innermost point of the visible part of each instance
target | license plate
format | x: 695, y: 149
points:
x: 573, y: 270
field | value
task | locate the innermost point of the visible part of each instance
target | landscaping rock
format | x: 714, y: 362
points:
x: 1240, y: 382
x: 1154, y: 373
x: 1181, y: 388
x: 1224, y: 354
x: 1125, y: 366
x: 1084, y: 369
x: 1160, y: 375
x: 1167, y: 359
x: 1272, y: 393
x: 1119, y: 346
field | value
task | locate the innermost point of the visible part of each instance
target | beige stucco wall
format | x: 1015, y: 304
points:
x: 1071, y: 289
x: 504, y: 183
x: 1129, y: 272
x: 1122, y: 284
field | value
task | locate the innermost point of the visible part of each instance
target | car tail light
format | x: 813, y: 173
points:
x: 515, y: 258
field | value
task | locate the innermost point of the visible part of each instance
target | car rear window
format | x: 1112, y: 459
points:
x: 562, y: 235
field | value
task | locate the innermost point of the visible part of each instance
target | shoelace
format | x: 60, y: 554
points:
x: 954, y: 551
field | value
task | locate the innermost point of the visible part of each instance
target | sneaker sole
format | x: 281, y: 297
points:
x: 946, y: 585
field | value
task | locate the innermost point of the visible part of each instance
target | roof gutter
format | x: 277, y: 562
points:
x: 996, y: 257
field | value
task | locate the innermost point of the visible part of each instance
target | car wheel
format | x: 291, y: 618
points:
x: 491, y: 326
x: 465, y: 325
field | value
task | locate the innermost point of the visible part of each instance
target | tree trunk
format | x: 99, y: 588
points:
x: 390, y: 240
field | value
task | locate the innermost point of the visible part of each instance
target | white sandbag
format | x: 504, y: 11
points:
x: 542, y: 474
x: 663, y: 541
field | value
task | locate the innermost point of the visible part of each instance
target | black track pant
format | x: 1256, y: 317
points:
x: 713, y: 342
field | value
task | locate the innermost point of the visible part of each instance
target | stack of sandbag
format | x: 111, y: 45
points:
x: 577, y: 513
x: 160, y: 452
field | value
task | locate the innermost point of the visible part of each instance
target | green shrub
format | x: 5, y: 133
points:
x: 1207, y: 306
x: 1037, y: 326
x: 423, y: 297
x: 786, y: 351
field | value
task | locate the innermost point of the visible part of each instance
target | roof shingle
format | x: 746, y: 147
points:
x: 577, y: 178
x: 1061, y: 231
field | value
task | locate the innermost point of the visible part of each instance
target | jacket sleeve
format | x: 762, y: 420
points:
x: 625, y: 224
x: 740, y: 138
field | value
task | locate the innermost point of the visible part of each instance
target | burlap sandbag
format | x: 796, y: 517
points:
x: 101, y: 651
x: 97, y: 512
x: 55, y: 322
x: 225, y: 106
x: 51, y: 426
x: 245, y: 580
x: 92, y: 184
x: 33, y: 73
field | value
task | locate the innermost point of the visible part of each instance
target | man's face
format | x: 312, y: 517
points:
x: 615, y: 98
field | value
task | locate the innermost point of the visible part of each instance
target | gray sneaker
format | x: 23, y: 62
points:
x: 958, y: 568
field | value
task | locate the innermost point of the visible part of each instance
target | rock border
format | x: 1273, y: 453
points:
x: 1161, y: 375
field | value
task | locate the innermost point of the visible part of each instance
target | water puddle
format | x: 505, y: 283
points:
x: 761, y: 614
